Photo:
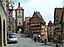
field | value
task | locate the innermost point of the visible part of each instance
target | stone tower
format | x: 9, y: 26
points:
x: 19, y: 17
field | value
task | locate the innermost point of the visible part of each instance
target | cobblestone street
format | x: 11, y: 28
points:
x: 26, y: 42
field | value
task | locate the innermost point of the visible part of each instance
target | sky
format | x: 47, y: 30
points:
x: 45, y: 7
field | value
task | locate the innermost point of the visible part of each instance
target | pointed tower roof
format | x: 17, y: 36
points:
x: 19, y: 8
x: 50, y: 23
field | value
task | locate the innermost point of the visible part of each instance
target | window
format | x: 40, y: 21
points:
x: 19, y: 11
x: 19, y: 23
x: 9, y: 28
x: 50, y: 32
x: 50, y: 29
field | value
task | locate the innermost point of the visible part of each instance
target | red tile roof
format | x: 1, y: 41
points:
x: 19, y: 8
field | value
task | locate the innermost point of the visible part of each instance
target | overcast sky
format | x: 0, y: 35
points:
x: 45, y: 7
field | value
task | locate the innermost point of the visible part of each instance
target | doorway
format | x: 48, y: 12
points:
x: 4, y: 41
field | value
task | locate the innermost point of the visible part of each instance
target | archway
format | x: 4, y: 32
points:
x: 4, y: 41
x: 0, y: 32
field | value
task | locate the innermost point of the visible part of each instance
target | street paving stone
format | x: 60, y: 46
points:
x: 26, y: 42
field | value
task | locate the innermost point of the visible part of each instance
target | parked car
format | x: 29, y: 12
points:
x: 13, y: 38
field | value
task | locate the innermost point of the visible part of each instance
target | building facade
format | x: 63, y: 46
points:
x: 3, y: 24
x: 58, y: 22
x: 43, y: 34
x: 27, y: 26
x: 37, y: 26
x: 27, y: 20
x: 19, y: 17
x: 50, y: 31
x: 10, y: 9
x: 9, y: 18
x: 14, y: 25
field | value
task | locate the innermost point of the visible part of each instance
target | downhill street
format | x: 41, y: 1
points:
x: 26, y: 42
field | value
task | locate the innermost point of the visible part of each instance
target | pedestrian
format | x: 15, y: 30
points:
x: 35, y: 39
x: 45, y: 41
x: 56, y: 45
x: 38, y: 39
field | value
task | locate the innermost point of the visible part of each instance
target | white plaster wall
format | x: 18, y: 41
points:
x: 3, y: 16
x: 19, y: 13
x: 52, y: 30
x: 19, y: 19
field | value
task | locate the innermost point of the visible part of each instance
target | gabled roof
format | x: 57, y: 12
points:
x: 37, y: 15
